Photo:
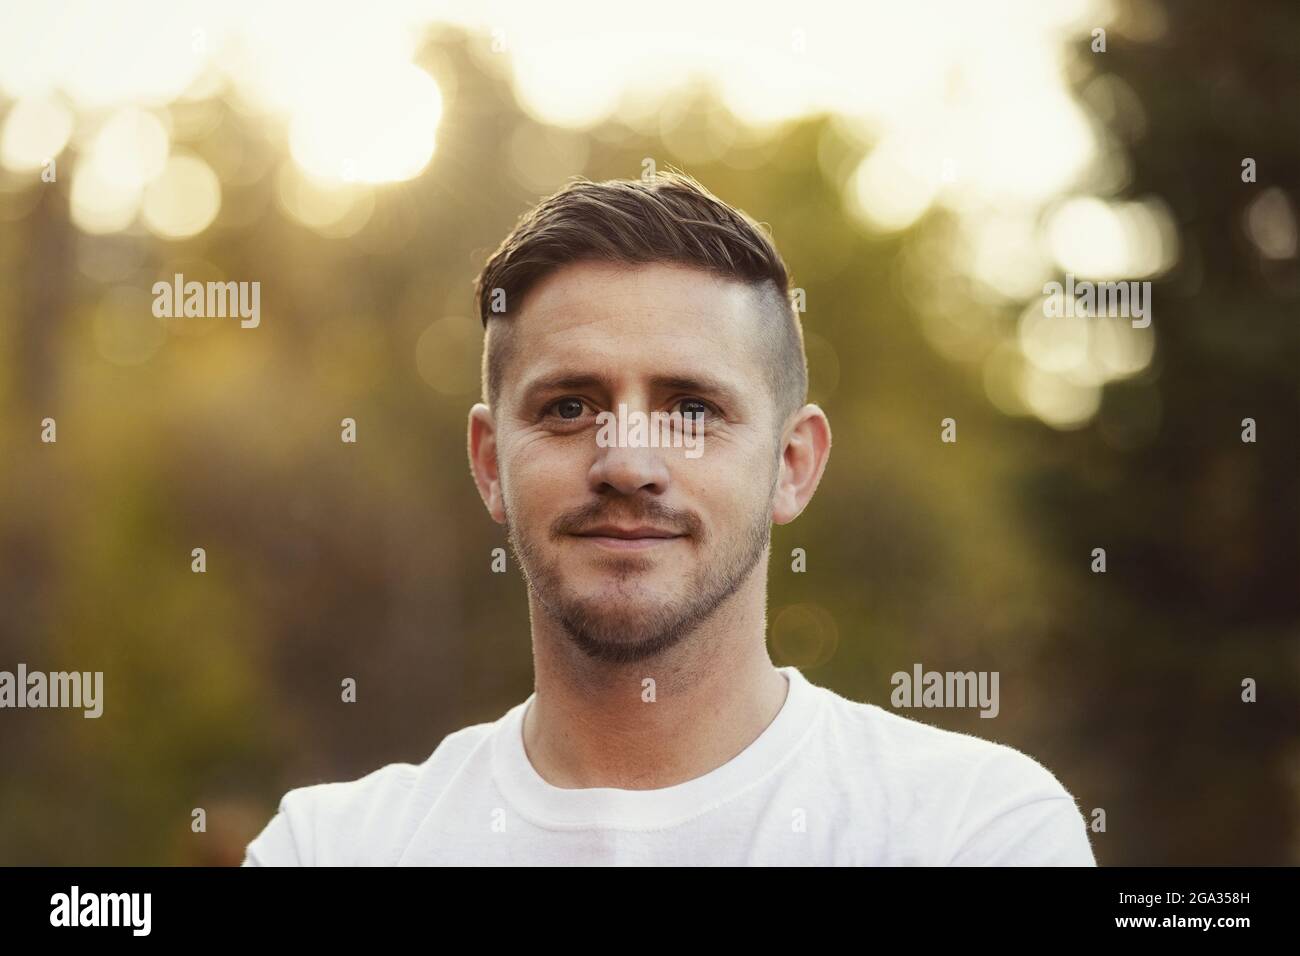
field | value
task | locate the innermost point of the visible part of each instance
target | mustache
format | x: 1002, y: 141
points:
x: 646, y: 511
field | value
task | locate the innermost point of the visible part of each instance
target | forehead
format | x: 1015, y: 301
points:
x: 624, y: 321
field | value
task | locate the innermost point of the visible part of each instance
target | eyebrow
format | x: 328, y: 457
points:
x: 701, y: 384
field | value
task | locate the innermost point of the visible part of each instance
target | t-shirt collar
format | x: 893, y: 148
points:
x: 554, y: 807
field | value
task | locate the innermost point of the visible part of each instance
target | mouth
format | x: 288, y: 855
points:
x: 638, y: 538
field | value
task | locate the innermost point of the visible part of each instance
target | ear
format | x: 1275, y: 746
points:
x: 483, y: 460
x: 804, y: 453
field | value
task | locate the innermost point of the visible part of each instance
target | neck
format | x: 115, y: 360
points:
x: 597, y: 724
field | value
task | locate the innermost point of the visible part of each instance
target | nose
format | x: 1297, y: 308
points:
x: 629, y: 470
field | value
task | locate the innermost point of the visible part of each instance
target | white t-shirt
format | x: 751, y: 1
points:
x: 829, y: 782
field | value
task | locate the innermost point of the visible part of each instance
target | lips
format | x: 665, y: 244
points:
x: 628, y: 538
x: 614, y: 531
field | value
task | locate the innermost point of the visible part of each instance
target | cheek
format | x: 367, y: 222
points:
x: 541, y: 478
x: 724, y: 497
x: 732, y: 472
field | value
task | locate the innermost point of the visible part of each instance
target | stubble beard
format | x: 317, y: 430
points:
x: 632, y: 624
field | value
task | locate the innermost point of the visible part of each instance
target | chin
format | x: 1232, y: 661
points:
x: 614, y: 610
x: 617, y: 643
x: 601, y: 590
x: 620, y: 603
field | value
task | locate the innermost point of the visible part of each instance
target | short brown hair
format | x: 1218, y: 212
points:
x: 668, y: 218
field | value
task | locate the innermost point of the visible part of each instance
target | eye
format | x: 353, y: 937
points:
x: 568, y: 409
x: 695, y: 406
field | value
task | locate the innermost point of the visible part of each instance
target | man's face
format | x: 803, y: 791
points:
x: 630, y: 548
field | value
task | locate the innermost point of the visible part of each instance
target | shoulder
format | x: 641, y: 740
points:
x: 979, y: 802
x: 923, y: 754
x: 363, y: 821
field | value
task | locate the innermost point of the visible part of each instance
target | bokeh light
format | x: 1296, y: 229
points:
x: 35, y: 131
x: 183, y: 200
x: 379, y: 130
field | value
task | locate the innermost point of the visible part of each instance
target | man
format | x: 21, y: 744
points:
x: 659, y: 731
